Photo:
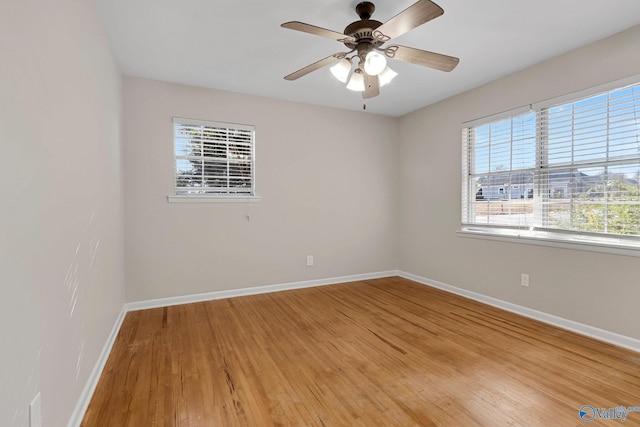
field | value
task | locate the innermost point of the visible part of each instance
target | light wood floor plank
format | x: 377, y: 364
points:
x: 383, y: 352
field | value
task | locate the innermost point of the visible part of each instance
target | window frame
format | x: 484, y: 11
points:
x: 212, y: 196
x: 539, y: 235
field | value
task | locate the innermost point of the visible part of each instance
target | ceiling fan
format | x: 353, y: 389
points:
x: 365, y: 39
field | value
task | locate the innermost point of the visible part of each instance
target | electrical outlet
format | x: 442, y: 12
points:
x: 524, y: 279
x: 35, y: 412
x: 309, y: 260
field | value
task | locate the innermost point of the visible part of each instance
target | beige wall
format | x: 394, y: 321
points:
x: 327, y: 179
x: 592, y: 288
x: 61, y: 222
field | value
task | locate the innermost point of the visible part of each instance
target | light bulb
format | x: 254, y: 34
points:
x: 374, y: 63
x: 386, y: 76
x: 341, y: 70
x: 356, y: 82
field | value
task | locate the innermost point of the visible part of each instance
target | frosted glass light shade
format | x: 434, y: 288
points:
x: 341, y: 70
x: 374, y: 63
x: 386, y: 76
x: 356, y: 82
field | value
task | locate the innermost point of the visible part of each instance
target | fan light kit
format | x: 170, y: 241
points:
x: 365, y: 39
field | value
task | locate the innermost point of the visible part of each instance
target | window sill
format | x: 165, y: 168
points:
x: 612, y: 245
x: 193, y: 198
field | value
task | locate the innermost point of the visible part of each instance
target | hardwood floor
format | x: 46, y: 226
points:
x: 384, y: 352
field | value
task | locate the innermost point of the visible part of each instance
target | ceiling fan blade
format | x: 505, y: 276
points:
x: 371, y: 86
x: 425, y: 58
x: 410, y: 18
x: 318, y: 31
x: 309, y: 68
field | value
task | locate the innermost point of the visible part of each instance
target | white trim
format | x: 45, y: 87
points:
x: 209, y: 296
x: 90, y: 386
x: 212, y: 199
x: 559, y: 241
x: 590, y: 331
x: 580, y: 328
x: 92, y: 382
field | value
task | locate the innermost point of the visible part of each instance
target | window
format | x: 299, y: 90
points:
x: 565, y: 170
x: 213, y: 159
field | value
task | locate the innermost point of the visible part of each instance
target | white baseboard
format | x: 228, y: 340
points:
x: 92, y: 382
x: 94, y: 377
x: 209, y: 296
x: 580, y: 328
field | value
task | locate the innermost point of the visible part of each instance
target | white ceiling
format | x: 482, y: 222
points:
x: 239, y: 46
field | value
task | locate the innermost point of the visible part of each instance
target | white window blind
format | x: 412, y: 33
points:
x: 566, y: 168
x: 500, y: 165
x: 213, y: 158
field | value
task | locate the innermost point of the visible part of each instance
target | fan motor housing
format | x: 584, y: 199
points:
x: 362, y: 31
